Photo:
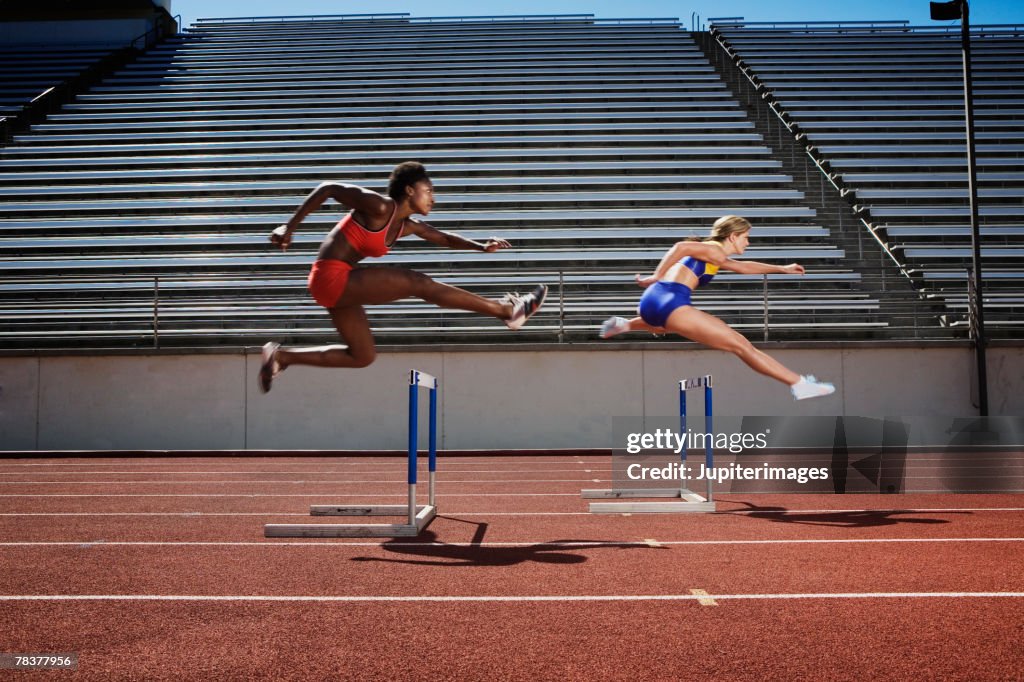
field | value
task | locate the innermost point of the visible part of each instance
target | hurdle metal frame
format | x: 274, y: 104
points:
x: 692, y: 502
x: 419, y: 516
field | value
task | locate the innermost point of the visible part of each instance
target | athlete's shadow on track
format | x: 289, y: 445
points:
x: 861, y: 518
x: 474, y: 553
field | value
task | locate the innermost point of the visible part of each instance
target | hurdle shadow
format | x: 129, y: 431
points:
x: 428, y: 551
x: 862, y: 518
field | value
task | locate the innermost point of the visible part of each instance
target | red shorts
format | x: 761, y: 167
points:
x: 327, y: 280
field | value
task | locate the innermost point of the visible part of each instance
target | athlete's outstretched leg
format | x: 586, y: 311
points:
x: 375, y: 286
x: 369, y: 286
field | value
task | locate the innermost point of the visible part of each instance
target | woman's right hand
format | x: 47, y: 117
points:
x: 645, y: 281
x: 280, y: 236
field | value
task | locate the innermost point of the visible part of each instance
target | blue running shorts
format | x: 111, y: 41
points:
x: 660, y: 300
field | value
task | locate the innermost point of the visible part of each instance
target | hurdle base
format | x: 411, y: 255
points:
x: 650, y: 507
x: 634, y: 492
x: 692, y: 502
x: 424, y: 515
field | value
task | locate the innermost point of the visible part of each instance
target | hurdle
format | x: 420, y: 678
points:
x: 691, y: 501
x: 418, y: 517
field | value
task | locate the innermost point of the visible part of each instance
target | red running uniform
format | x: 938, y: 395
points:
x: 328, y: 276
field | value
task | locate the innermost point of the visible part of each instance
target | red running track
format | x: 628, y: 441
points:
x: 158, y: 569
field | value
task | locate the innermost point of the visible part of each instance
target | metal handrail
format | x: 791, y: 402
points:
x: 560, y: 331
x: 47, y: 98
x: 590, y: 18
x: 739, y: 21
x: 285, y: 17
x: 155, y: 29
x: 784, y: 119
x: 511, y: 17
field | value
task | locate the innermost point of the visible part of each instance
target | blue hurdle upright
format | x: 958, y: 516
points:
x: 691, y: 501
x: 418, y: 517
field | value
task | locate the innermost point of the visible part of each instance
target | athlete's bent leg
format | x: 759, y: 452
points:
x: 354, y: 329
x: 614, y: 326
x: 707, y: 329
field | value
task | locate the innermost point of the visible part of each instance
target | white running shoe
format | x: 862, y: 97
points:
x: 614, y: 326
x: 809, y: 387
x: 523, y: 307
x: 269, y: 367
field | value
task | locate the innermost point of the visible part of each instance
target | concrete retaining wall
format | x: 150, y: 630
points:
x: 505, y: 400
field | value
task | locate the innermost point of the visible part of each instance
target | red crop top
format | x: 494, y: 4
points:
x: 367, y: 243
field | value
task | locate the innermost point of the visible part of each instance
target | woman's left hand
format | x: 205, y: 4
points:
x: 496, y: 244
x: 280, y: 236
x: 794, y: 269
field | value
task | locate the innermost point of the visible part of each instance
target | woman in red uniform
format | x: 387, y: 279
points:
x: 665, y: 304
x: 369, y: 230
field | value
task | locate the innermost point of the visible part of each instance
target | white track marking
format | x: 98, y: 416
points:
x: 374, y: 495
x: 507, y: 598
x: 703, y: 598
x: 395, y: 470
x: 335, y: 543
x: 386, y: 481
x: 306, y: 515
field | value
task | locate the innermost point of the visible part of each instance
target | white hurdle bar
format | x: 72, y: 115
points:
x: 418, y: 517
x: 692, y: 502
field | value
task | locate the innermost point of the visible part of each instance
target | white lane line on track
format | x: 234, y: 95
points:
x: 387, y: 461
x: 917, y: 510
x: 303, y: 514
x: 901, y: 510
x: 395, y: 470
x: 582, y: 544
x: 506, y: 598
x: 386, y: 481
x: 374, y: 495
x: 971, y: 459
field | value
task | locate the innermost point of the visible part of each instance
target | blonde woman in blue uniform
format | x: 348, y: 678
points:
x: 665, y: 305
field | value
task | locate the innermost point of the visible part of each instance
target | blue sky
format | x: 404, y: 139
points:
x: 916, y: 11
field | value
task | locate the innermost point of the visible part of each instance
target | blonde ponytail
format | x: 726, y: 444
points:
x: 727, y: 226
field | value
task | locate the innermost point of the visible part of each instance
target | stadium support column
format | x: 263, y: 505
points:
x: 948, y: 11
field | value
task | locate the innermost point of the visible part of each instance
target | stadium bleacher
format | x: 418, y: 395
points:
x: 882, y: 103
x: 138, y: 215
x: 27, y: 71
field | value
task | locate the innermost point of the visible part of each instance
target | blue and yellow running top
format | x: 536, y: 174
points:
x: 705, y: 271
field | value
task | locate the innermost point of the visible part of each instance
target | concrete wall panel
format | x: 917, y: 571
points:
x: 338, y: 409
x: 538, y: 400
x: 19, y: 400
x: 165, y: 402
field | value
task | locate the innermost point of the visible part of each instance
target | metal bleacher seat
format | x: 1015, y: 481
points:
x: 883, y: 104
x: 138, y: 215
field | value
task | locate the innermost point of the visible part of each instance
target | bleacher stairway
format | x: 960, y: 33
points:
x: 139, y: 215
x: 882, y: 104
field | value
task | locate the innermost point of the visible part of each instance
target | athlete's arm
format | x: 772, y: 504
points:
x: 368, y: 203
x: 711, y: 252
x: 704, y: 251
x: 429, y: 233
x: 753, y: 267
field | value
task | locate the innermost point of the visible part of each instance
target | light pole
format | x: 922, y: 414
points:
x: 947, y: 11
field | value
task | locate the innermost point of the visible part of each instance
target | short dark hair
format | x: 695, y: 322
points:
x: 404, y: 175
